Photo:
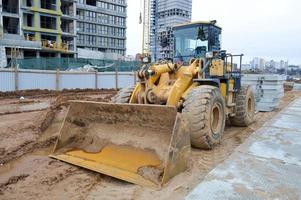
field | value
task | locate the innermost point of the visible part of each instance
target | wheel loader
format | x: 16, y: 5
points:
x: 145, y: 134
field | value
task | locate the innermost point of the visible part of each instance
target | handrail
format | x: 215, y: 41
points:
x: 50, y: 44
x: 55, y: 45
x: 240, y: 62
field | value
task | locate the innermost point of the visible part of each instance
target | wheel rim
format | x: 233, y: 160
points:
x: 250, y: 107
x: 216, y: 119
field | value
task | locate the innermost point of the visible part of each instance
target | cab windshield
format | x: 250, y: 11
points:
x: 196, y: 41
x: 187, y: 40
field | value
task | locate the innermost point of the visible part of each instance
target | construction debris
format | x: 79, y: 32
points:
x: 268, y: 90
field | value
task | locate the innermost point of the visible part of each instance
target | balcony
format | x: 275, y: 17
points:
x: 55, y: 46
x: 12, y: 40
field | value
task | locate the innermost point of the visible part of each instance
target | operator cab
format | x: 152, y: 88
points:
x: 194, y: 40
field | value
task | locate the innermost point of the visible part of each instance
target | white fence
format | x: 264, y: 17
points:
x: 13, y: 80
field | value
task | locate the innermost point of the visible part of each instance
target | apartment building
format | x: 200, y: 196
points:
x: 56, y: 28
x: 164, y: 15
x: 38, y: 28
x: 101, y: 25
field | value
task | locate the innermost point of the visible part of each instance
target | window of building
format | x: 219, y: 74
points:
x: 10, y: 6
x: 48, y: 37
x: 91, y: 2
x: 91, y: 28
x: 91, y: 39
x: 67, y: 8
x: 80, y: 26
x: 48, y: 4
x: 67, y: 26
x: 48, y: 22
x: 80, y: 39
x: 80, y: 14
x: 103, y: 30
x: 10, y: 25
x: 91, y: 16
x: 103, y: 18
x: 29, y: 3
x: 28, y: 20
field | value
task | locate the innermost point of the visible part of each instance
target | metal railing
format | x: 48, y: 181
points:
x: 48, y: 44
x: 30, y: 38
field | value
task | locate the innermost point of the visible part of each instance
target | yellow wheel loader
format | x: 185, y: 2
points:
x: 144, y: 135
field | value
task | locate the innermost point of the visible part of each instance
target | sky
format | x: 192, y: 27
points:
x: 270, y: 29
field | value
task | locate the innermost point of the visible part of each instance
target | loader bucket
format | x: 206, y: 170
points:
x: 141, y: 144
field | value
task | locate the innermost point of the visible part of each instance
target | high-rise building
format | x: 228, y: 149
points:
x: 164, y: 15
x: 258, y: 63
x: 56, y: 28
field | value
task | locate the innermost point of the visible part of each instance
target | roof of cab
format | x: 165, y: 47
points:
x: 198, y: 23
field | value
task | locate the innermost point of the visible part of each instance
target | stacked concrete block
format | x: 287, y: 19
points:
x: 297, y: 87
x: 268, y: 90
x: 3, y: 60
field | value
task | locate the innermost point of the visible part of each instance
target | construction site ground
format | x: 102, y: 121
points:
x: 271, y: 157
x: 29, y: 128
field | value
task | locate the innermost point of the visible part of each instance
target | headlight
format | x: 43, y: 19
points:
x: 209, y: 54
x: 146, y: 59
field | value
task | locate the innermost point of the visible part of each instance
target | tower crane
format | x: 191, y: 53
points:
x: 145, y: 20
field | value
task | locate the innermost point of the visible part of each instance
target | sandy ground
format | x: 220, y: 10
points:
x: 27, y: 136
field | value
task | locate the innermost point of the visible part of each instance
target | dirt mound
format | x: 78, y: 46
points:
x: 41, y: 122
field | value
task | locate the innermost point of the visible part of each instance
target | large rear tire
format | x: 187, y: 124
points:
x: 204, y: 110
x: 245, y: 107
x: 124, y: 95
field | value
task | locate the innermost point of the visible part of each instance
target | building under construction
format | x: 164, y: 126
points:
x: 55, y: 28
x: 164, y: 15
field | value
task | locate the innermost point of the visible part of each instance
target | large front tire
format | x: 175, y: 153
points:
x: 124, y: 95
x: 245, y: 107
x: 204, y: 110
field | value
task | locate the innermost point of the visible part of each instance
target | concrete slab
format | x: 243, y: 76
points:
x: 245, y: 176
x: 266, y: 166
x: 274, y: 143
x: 286, y: 121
